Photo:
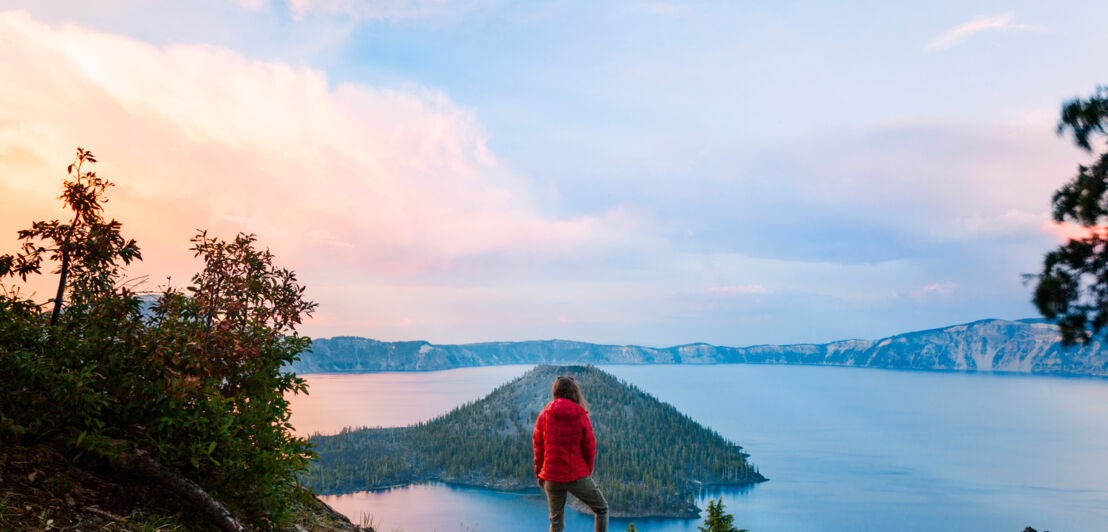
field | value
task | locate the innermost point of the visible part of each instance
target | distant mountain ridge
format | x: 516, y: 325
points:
x: 1023, y: 346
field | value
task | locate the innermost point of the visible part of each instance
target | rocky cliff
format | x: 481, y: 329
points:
x: 1024, y: 346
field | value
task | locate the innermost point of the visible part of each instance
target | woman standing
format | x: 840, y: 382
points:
x: 564, y: 453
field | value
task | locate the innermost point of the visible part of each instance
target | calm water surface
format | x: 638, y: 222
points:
x: 845, y: 449
x: 394, y: 399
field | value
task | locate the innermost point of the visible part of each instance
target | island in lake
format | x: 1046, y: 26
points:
x: 651, y: 459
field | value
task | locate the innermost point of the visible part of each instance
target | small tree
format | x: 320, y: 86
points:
x: 718, y: 520
x: 1073, y: 285
x: 52, y: 364
x: 87, y: 248
x: 192, y: 385
x: 230, y: 333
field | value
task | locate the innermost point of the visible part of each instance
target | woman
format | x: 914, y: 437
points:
x: 564, y: 452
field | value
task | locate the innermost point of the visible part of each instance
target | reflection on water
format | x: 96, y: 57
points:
x: 845, y: 449
x: 392, y: 399
x: 443, y: 507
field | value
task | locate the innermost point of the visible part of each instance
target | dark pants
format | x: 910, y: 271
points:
x: 585, y: 490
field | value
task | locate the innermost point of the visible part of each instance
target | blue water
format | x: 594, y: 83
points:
x: 845, y: 449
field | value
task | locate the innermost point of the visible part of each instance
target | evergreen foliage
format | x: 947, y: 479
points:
x: 718, y: 520
x: 651, y: 459
x: 1073, y: 285
x: 194, y: 381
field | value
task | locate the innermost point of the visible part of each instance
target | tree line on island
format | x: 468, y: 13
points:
x: 651, y: 459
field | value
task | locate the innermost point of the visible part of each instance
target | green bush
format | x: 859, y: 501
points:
x: 191, y: 376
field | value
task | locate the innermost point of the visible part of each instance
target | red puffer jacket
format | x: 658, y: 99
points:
x: 564, y: 444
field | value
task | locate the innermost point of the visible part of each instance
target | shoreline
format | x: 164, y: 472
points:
x: 532, y: 489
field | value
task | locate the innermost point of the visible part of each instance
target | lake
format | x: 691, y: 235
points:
x: 845, y: 449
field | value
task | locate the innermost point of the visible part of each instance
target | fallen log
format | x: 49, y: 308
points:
x: 139, y: 463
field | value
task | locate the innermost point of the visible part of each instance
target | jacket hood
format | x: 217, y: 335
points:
x: 565, y: 409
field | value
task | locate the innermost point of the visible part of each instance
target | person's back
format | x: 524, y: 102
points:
x: 568, y: 448
x: 565, y: 450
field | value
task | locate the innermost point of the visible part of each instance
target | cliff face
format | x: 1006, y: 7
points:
x: 1025, y: 346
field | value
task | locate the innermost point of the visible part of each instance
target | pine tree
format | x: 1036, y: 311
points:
x: 1071, y: 288
x: 718, y: 520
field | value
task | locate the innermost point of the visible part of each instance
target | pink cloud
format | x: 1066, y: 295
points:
x: 340, y: 320
x: 977, y: 25
x: 563, y: 319
x: 343, y: 177
x: 378, y: 9
x: 944, y: 290
x: 1065, y: 231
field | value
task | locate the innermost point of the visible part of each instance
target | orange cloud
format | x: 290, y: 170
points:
x: 1065, y: 231
x: 348, y: 177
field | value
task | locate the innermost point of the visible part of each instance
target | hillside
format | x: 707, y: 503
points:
x: 42, y: 488
x: 650, y: 461
x: 1025, y: 346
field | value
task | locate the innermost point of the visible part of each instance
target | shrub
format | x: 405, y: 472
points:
x: 192, y: 377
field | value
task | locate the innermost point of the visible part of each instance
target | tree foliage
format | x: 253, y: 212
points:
x: 718, y: 520
x: 650, y: 460
x: 88, y: 249
x: 191, y: 377
x: 1073, y: 285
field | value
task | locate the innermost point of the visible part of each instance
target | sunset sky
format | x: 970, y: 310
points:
x: 653, y: 173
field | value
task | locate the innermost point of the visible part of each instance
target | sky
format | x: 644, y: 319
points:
x: 653, y: 173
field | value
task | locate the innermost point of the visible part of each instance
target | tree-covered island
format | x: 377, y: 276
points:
x: 651, y: 459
